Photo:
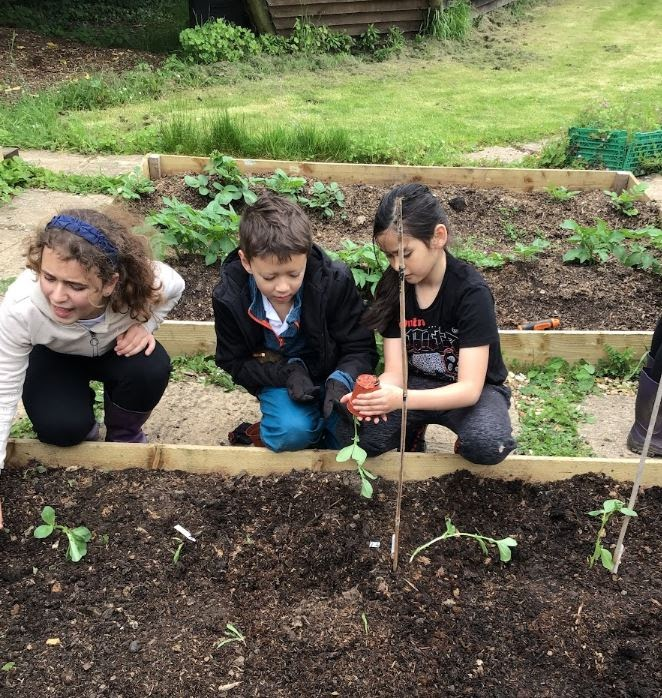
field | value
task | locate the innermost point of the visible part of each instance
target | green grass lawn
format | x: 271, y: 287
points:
x: 509, y: 83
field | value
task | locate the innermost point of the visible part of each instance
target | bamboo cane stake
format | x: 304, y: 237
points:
x: 618, y: 553
x: 405, y: 378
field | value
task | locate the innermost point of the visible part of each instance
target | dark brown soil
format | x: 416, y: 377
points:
x: 30, y: 62
x: 598, y: 297
x: 287, y: 561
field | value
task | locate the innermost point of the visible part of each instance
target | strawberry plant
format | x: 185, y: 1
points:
x: 78, y: 537
x: 610, y: 508
x: 503, y: 545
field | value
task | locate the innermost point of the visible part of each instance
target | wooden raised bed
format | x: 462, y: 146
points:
x: 234, y: 460
x: 527, y: 347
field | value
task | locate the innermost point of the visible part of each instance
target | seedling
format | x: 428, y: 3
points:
x: 356, y: 453
x: 232, y: 634
x: 177, y: 552
x: 561, y: 193
x: 610, y: 508
x: 503, y: 545
x: 78, y: 537
x: 9, y: 666
x: 624, y: 202
x: 364, y: 620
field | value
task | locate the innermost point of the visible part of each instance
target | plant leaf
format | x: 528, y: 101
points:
x: 345, y: 453
x: 359, y: 455
x: 77, y: 547
x: 43, y: 531
x: 48, y: 515
x: 606, y: 559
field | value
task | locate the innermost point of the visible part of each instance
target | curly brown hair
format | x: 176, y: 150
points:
x: 137, y: 290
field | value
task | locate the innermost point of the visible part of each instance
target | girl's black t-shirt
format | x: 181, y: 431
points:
x: 462, y: 315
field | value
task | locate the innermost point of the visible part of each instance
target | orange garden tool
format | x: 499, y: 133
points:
x: 552, y: 323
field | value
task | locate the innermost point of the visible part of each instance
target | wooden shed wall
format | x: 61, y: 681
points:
x: 354, y: 16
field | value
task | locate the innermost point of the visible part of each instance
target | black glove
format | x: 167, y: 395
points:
x: 334, y: 390
x: 299, y: 385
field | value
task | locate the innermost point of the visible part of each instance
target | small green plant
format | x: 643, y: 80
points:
x: 511, y: 231
x: 358, y: 455
x: 22, y: 429
x: 216, y: 41
x: 232, y: 634
x: 617, y: 364
x: 364, y: 620
x: 133, y: 185
x: 177, y: 552
x: 8, y: 666
x: 78, y: 537
x: 450, y: 22
x: 203, y: 368
x: 503, y: 545
x: 610, y: 508
x: 561, y: 193
x: 6, y: 283
x: 625, y: 201
x: 323, y: 198
x: 593, y: 244
x: 367, y: 263
x: 282, y: 184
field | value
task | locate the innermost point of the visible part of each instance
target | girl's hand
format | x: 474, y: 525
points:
x: 376, y: 405
x: 134, y: 340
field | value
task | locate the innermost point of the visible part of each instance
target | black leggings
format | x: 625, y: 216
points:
x: 655, y: 371
x: 58, y: 398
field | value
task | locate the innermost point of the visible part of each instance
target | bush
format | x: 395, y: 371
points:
x: 217, y: 41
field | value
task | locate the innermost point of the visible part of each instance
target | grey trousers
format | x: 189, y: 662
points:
x: 484, y: 430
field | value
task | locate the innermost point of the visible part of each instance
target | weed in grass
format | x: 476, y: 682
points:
x: 232, y: 634
x: 617, y: 364
x: 503, y: 545
x: 203, y: 368
x: 610, y: 508
x: 6, y: 283
x: 133, y: 185
x: 77, y: 538
x: 561, y: 193
x: 450, y: 22
x: 22, y: 429
x: 549, y: 409
x: 625, y: 201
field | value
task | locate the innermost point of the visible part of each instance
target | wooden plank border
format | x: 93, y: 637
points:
x: 260, y: 462
x: 515, y: 179
x: 188, y: 337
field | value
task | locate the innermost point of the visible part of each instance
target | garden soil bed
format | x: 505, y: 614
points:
x: 597, y: 297
x: 287, y: 561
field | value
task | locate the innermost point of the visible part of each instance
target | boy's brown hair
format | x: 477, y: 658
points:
x: 274, y: 226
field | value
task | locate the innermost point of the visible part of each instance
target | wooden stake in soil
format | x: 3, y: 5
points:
x: 405, y: 378
x: 618, y: 553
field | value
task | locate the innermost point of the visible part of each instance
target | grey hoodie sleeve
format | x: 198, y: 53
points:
x: 172, y: 287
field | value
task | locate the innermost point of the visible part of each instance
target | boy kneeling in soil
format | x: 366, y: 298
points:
x: 288, y: 328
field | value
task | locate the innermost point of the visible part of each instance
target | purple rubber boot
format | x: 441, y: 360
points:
x: 643, y: 408
x: 124, y: 425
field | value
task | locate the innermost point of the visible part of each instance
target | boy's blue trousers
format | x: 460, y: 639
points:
x: 292, y: 426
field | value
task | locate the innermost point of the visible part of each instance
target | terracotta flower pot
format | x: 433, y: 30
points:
x: 365, y: 383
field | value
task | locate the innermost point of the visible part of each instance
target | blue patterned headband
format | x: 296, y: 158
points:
x: 88, y: 232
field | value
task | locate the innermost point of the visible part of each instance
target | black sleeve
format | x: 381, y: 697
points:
x: 355, y: 341
x: 477, y: 317
x: 235, y: 356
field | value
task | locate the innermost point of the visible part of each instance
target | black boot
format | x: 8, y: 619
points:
x: 124, y: 425
x: 643, y: 408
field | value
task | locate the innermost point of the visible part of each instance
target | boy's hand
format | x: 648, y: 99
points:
x: 299, y: 385
x: 334, y: 390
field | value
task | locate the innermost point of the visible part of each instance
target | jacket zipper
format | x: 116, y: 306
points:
x: 94, y: 343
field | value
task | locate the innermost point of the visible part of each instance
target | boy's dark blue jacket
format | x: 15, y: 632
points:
x: 330, y: 322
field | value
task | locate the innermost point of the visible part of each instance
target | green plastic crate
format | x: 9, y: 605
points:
x: 599, y: 148
x: 644, y: 146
